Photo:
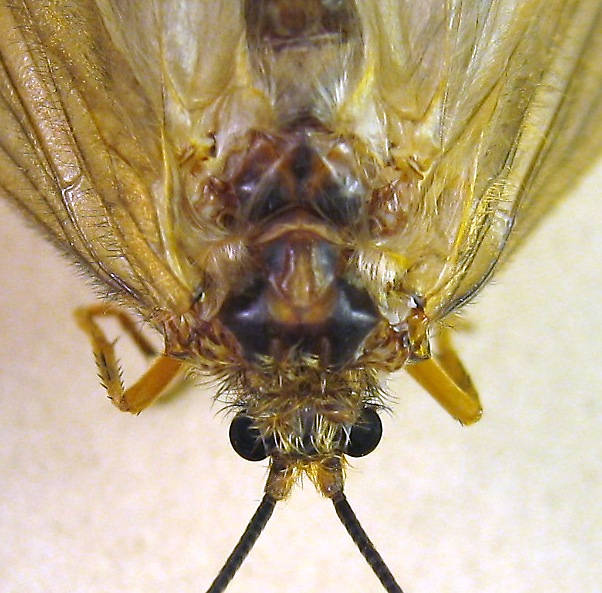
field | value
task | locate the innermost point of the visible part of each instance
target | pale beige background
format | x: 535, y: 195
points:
x: 94, y: 501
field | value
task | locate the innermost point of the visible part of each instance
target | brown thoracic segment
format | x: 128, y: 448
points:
x: 305, y: 167
x: 303, y: 195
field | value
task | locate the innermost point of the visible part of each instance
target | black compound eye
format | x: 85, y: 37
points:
x: 365, y: 434
x: 246, y: 439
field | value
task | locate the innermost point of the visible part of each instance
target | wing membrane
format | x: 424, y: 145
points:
x: 184, y: 56
x: 488, y: 100
x: 74, y: 161
x: 104, y: 101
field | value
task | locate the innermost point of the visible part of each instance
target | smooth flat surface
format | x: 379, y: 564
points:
x: 93, y: 500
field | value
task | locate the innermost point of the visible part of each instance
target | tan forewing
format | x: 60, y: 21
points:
x: 487, y: 101
x: 573, y: 141
x: 114, y: 107
x: 186, y: 56
x: 84, y: 154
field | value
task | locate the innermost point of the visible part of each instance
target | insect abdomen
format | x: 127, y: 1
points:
x: 306, y: 53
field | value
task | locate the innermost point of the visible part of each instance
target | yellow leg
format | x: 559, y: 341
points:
x: 154, y: 381
x: 445, y: 378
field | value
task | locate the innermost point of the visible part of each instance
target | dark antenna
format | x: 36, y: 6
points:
x: 362, y: 541
x: 245, y: 543
x: 261, y: 517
